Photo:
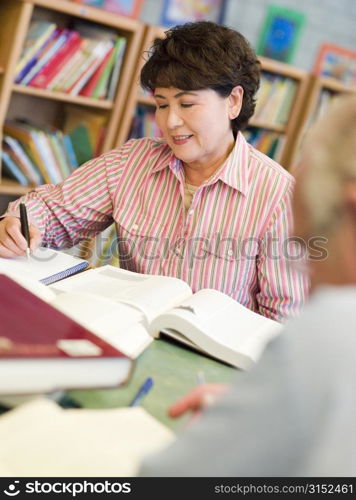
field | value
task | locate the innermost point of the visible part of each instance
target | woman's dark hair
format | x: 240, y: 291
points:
x: 202, y: 55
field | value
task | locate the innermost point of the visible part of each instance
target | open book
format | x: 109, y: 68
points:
x: 128, y: 310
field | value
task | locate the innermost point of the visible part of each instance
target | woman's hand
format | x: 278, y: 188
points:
x: 196, y: 400
x: 12, y: 242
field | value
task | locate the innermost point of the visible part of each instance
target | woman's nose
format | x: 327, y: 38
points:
x: 174, y: 119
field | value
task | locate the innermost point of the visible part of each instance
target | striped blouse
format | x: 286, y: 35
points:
x: 233, y: 238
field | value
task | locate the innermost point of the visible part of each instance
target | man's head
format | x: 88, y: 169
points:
x: 325, y: 195
x: 205, y: 55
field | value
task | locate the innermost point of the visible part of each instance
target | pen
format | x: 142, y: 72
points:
x: 24, y: 227
x: 141, y: 393
x: 201, y: 377
x: 207, y: 398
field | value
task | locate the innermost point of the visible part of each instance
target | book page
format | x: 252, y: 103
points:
x: 77, y: 443
x: 121, y: 325
x: 219, y: 325
x: 150, y: 294
x: 42, y: 263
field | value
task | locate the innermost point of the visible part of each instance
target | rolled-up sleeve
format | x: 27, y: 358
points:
x: 282, y: 287
x: 76, y: 209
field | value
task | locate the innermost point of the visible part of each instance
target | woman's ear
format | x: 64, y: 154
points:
x: 235, y: 101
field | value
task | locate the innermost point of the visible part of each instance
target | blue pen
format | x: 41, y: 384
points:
x: 141, y: 393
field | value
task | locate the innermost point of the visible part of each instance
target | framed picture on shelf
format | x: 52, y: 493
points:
x: 183, y: 11
x: 336, y: 62
x: 129, y: 8
x: 280, y: 33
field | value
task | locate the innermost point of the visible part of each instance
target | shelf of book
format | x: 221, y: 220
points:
x: 320, y: 92
x: 282, y: 89
x: 68, y: 30
x: 135, y: 96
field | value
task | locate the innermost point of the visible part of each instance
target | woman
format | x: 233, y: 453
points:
x: 201, y: 204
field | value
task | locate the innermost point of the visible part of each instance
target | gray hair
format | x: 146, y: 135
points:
x: 329, y: 157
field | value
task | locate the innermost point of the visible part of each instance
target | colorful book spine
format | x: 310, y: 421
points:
x: 101, y: 90
x: 70, y: 151
x: 25, y: 135
x: 67, y: 68
x: 89, y: 87
x: 38, y: 35
x: 46, y: 56
x: 13, y: 170
x: 23, y: 160
x: 54, y: 65
x: 114, y: 78
x: 78, y: 67
x: 93, y: 62
x: 275, y: 99
x: 59, y: 155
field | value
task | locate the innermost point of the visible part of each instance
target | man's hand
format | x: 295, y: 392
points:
x: 199, y: 398
x: 12, y: 242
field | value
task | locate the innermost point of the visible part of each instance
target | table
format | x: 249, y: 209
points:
x: 174, y: 370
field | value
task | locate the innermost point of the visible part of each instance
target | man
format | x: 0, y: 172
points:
x: 294, y: 414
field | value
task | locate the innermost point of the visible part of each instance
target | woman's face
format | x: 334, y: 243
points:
x: 196, y: 124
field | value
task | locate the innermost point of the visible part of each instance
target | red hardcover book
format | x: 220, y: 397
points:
x: 56, y: 63
x: 43, y: 350
x: 89, y: 87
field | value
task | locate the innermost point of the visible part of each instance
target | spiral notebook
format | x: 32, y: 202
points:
x: 44, y: 265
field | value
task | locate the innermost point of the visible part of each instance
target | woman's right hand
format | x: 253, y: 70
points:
x: 12, y: 242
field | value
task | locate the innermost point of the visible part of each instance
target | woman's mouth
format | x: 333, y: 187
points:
x: 180, y: 139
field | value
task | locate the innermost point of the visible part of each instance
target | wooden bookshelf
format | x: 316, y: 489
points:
x: 134, y: 96
x: 311, y: 108
x: 316, y: 85
x: 61, y: 96
x: 8, y: 186
x: 16, y: 16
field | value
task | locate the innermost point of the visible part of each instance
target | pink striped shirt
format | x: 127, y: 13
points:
x: 228, y: 239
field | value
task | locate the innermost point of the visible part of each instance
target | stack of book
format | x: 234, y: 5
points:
x: 84, y: 61
x: 274, y: 99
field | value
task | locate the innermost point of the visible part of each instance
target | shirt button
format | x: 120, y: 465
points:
x: 230, y: 252
x: 134, y: 227
x: 190, y: 212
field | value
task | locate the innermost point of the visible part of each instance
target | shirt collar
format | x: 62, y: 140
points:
x: 234, y: 172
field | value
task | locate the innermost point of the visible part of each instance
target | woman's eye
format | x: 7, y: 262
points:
x: 186, y: 105
x: 162, y: 106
